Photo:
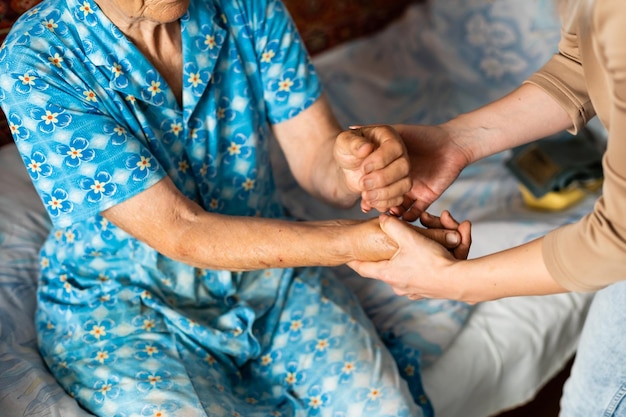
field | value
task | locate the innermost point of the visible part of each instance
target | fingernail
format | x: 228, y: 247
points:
x: 394, y: 212
x: 368, y: 184
x: 369, y: 168
x: 452, y: 238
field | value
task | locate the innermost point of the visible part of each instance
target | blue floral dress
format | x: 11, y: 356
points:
x: 128, y: 331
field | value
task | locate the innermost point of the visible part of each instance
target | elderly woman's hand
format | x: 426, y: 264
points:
x: 420, y: 267
x: 375, y: 164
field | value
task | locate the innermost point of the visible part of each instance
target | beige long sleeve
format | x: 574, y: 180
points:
x: 588, y: 75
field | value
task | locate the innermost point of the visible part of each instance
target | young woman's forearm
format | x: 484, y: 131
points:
x: 513, y: 272
x: 520, y: 117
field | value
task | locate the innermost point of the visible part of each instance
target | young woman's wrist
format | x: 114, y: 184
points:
x: 464, y: 285
x: 470, y: 140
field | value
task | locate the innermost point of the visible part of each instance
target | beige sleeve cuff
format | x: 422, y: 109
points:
x: 563, y: 80
x: 560, y: 257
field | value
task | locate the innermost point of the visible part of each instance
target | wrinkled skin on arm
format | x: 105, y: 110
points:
x: 178, y: 227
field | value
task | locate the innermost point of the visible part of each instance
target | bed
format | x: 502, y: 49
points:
x: 435, y: 60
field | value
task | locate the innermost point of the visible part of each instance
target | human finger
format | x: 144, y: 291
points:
x: 393, y: 172
x: 445, y: 221
x: 351, y: 148
x: 374, y: 270
x: 388, y: 197
x: 399, y: 210
x: 464, y: 229
x: 430, y: 220
x: 417, y: 208
x: 388, y: 148
x: 449, y: 239
x: 463, y: 248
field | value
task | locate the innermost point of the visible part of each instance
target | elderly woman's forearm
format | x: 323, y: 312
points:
x: 251, y: 243
x: 307, y: 141
x: 179, y: 228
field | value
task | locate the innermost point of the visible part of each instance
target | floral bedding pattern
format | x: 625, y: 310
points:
x: 439, y: 59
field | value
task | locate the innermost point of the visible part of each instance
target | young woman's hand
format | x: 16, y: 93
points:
x: 372, y: 243
x: 435, y: 162
x: 420, y: 267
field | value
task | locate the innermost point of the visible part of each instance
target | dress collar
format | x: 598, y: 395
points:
x: 203, y: 34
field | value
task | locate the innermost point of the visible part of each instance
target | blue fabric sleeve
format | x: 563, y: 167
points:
x: 290, y: 82
x: 80, y: 159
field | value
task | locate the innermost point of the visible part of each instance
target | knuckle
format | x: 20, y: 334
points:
x: 399, y: 291
x: 404, y: 166
x: 405, y: 185
x: 343, y: 136
x: 395, y: 202
x: 383, y: 128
